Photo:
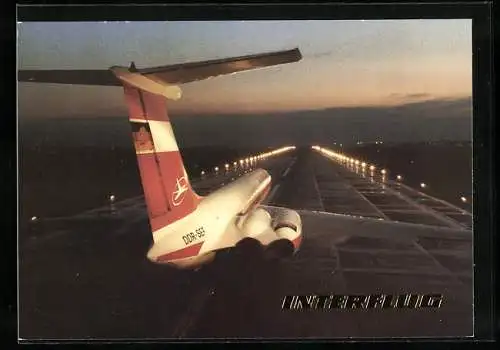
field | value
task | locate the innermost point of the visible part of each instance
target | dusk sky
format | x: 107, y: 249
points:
x: 398, y: 79
x: 345, y: 63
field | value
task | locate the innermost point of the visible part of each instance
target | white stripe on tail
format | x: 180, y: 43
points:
x: 167, y: 190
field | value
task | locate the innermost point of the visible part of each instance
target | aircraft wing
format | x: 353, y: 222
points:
x: 172, y: 74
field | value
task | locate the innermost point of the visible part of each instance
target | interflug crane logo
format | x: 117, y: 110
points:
x: 181, y: 187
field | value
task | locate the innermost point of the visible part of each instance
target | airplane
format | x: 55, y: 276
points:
x: 189, y: 230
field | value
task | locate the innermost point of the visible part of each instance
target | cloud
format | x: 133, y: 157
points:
x: 438, y: 108
x: 419, y: 95
x: 406, y: 98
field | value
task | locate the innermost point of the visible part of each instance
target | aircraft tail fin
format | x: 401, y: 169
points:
x: 167, y: 190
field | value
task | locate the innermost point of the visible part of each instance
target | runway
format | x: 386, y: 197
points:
x: 87, y: 277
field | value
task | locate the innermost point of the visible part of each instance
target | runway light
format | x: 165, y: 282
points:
x: 112, y: 198
x: 423, y: 185
x: 399, y: 177
x: 34, y: 218
x: 463, y: 199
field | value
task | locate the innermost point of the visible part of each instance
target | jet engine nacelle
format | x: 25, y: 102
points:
x: 287, y: 224
x: 288, y: 228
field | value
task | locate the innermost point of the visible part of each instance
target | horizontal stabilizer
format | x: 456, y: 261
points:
x: 172, y: 74
x: 102, y: 77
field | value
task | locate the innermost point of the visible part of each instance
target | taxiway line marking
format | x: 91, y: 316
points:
x: 445, y: 203
x: 285, y: 173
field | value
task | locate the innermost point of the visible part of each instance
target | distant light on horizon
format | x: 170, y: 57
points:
x: 463, y: 199
x: 423, y: 185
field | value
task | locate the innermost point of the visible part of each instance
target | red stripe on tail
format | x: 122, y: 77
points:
x: 138, y: 101
x: 167, y: 190
x: 169, y: 195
